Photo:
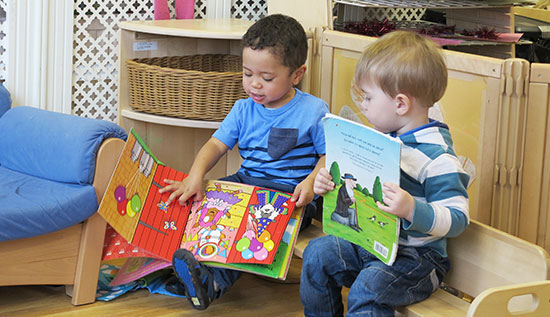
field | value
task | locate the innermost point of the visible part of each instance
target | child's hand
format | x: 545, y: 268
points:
x: 187, y: 188
x: 398, y: 201
x: 323, y: 182
x: 303, y: 193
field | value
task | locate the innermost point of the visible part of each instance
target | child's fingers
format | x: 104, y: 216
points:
x: 171, y: 198
x: 167, y: 188
x: 320, y: 188
x: 304, y: 198
x: 383, y: 208
x: 326, y: 174
x: 323, y: 175
x: 183, y: 198
x: 171, y: 186
x: 176, y: 192
x: 186, y: 196
x: 295, y: 195
x: 392, y: 187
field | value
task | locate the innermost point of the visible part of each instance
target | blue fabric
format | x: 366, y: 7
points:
x: 31, y: 206
x: 52, y: 145
x: 329, y: 263
x: 5, y: 99
x: 281, y: 145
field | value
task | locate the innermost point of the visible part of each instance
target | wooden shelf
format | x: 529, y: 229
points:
x: 170, y: 121
x: 231, y: 29
x: 176, y: 141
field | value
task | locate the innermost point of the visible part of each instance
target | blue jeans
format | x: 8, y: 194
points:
x: 225, y: 278
x: 375, y: 288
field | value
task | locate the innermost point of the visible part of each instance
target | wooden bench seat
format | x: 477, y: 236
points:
x: 493, y: 273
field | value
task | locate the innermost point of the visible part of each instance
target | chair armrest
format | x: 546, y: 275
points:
x: 106, y: 161
x: 497, y: 301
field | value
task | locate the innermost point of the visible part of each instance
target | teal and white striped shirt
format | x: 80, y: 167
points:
x: 433, y: 175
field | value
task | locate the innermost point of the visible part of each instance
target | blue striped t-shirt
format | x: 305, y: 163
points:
x: 281, y: 145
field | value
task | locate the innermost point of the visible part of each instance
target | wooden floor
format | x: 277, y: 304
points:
x: 250, y: 296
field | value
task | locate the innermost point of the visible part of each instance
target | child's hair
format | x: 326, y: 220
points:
x: 404, y: 62
x: 282, y: 35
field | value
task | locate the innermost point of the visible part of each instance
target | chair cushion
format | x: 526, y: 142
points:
x: 31, y: 206
x: 53, y: 145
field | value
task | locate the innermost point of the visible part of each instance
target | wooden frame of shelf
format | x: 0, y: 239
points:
x: 176, y: 141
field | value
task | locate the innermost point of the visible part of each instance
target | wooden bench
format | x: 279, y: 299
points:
x: 493, y: 274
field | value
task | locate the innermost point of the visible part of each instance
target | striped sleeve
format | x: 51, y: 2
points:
x: 444, y: 211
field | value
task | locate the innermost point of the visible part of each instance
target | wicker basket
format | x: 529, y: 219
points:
x: 201, y: 87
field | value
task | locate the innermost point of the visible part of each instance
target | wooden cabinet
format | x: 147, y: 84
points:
x: 176, y: 141
x: 534, y: 219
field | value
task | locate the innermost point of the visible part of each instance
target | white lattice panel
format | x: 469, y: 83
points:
x: 3, y: 39
x: 348, y: 13
x: 95, y: 61
x: 251, y: 10
x: 200, y: 9
x: 410, y: 10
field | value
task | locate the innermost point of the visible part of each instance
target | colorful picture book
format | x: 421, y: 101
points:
x: 360, y: 159
x: 235, y: 224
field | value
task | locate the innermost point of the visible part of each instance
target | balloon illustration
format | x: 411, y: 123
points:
x: 264, y: 237
x: 243, y: 244
x: 253, y: 246
x: 135, y: 205
x: 261, y: 254
x: 247, y: 254
x: 122, y: 207
x: 269, y: 245
x: 129, y: 209
x: 120, y: 194
x: 250, y: 234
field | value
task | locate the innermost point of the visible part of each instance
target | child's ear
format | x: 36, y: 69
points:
x: 298, y: 74
x: 403, y: 104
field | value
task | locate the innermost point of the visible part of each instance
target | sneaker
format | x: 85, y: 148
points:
x: 195, y: 277
x: 174, y: 286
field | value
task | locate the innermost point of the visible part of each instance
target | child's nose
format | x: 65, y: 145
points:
x: 363, y: 105
x: 256, y: 83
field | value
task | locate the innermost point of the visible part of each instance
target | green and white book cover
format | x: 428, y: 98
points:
x: 361, y: 159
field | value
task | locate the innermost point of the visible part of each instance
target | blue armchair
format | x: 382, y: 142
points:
x: 54, y: 169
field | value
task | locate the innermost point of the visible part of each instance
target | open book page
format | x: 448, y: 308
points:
x: 279, y: 267
x: 138, y: 267
x: 360, y: 159
x: 237, y: 223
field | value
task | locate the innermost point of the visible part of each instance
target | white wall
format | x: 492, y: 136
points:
x: 39, y: 53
